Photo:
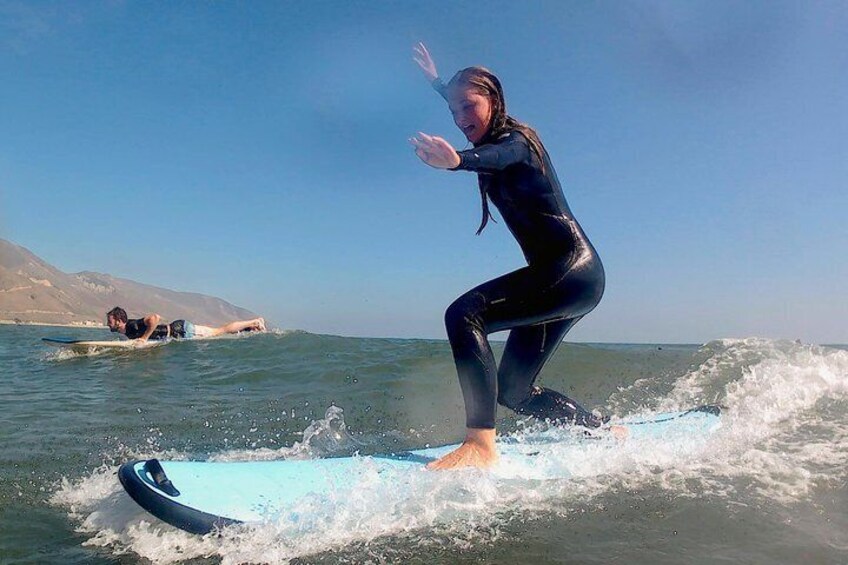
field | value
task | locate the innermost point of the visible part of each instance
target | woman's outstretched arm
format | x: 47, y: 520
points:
x: 428, y: 67
x: 509, y: 149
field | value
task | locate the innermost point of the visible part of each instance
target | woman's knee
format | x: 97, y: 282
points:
x: 465, y: 313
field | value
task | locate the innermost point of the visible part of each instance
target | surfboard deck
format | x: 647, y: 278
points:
x: 84, y: 344
x: 200, y: 496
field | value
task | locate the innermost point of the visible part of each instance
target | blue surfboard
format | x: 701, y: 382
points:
x: 200, y: 496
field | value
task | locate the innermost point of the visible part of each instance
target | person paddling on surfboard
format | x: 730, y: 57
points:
x: 562, y: 282
x: 149, y: 327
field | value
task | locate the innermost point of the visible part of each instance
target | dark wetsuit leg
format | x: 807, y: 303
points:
x: 527, y: 350
x: 542, y: 303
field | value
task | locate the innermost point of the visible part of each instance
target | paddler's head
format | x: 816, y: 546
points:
x: 116, y: 319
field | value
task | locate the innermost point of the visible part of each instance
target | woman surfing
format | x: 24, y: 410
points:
x: 562, y: 282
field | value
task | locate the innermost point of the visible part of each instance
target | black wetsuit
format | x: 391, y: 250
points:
x: 136, y: 328
x: 563, y: 281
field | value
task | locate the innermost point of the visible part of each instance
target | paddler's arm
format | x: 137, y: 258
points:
x: 150, y: 322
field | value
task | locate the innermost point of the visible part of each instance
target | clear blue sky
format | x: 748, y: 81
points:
x: 258, y: 151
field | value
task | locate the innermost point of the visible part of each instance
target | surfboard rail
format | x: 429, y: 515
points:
x: 133, y: 476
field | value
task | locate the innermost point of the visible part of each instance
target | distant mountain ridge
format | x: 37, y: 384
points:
x: 32, y: 290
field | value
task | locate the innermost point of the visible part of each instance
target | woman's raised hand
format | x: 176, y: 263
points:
x: 425, y: 61
x: 435, y: 151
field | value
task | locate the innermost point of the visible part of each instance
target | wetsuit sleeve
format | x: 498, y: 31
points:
x: 440, y: 87
x: 508, y: 150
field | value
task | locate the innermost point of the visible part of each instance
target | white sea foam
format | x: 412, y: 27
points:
x: 784, y: 432
x: 63, y: 354
x: 785, y: 428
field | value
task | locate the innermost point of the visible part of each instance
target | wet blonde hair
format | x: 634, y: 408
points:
x: 485, y: 83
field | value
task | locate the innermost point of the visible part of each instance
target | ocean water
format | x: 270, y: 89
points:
x: 768, y: 487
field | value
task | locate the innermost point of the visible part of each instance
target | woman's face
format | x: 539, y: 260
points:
x: 472, y: 112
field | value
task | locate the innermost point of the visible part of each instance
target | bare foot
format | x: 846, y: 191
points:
x: 478, y: 450
x: 619, y: 432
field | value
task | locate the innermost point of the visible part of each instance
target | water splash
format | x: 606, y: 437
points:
x: 321, y: 438
x: 784, y: 433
